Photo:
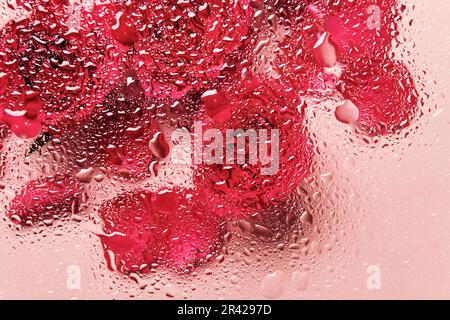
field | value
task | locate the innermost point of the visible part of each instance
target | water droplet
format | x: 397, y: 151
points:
x: 85, y: 175
x: 347, y: 112
x: 159, y: 146
x: 325, y: 52
x: 123, y: 31
x: 306, y: 218
x: 300, y: 280
x: 216, y: 106
x: 273, y: 284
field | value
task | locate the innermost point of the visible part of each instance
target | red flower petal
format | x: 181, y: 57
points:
x: 359, y: 35
x: 245, y: 188
x: 187, y: 44
x: 174, y: 228
x: 55, y: 72
x: 117, y: 135
x: 361, y: 28
x: 288, y: 59
x: 192, y: 229
x: 384, y: 93
x: 44, y: 199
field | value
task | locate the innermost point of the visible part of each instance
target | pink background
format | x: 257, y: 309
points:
x: 388, y: 207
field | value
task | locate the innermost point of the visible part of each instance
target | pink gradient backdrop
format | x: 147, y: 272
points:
x: 403, y: 228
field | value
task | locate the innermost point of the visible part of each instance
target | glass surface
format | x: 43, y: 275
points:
x: 111, y: 185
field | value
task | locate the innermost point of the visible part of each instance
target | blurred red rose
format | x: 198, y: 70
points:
x: 143, y: 229
x: 53, y: 71
x: 181, y: 45
x: 250, y: 104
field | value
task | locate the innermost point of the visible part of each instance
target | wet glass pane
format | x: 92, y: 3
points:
x: 238, y: 149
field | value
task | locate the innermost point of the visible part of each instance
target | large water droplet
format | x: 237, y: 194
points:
x: 347, y: 112
x: 273, y: 284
